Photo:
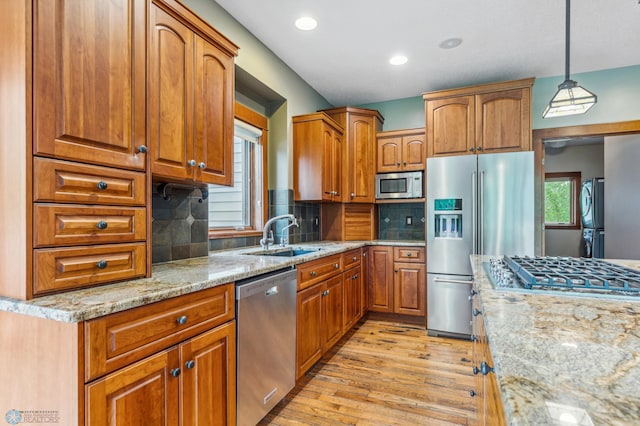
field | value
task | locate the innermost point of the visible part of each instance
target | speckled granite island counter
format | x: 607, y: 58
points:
x: 563, y: 358
x: 173, y: 279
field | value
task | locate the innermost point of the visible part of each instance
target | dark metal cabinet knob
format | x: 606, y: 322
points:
x: 476, y: 370
x: 313, y: 273
x: 472, y: 292
x: 479, y: 148
x: 472, y: 393
x: 102, y: 225
x: 471, y: 149
x: 354, y: 258
x: 101, y: 264
x: 175, y: 372
x: 192, y: 163
x: 142, y: 149
x: 485, y: 368
x: 182, y: 320
x: 336, y: 266
x: 476, y: 312
x: 395, y: 270
x: 398, y: 164
x: 202, y: 165
x: 408, y: 254
x: 102, y: 185
x: 190, y: 364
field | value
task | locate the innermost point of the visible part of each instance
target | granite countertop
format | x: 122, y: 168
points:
x: 557, y: 355
x: 172, y: 279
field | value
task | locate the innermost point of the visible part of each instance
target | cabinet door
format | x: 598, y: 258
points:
x: 352, y: 288
x: 451, y: 126
x: 381, y: 279
x: 170, y: 106
x: 144, y: 393
x: 328, y: 176
x: 503, y: 121
x: 360, y: 151
x: 309, y: 328
x: 89, y: 81
x: 213, y: 114
x: 332, y: 312
x: 336, y: 166
x: 364, y: 267
x: 409, y: 288
x: 208, y: 363
x: 389, y: 154
x: 413, y: 153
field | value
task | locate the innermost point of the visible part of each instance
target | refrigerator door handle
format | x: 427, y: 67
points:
x: 481, y: 214
x: 474, y: 202
x: 440, y: 280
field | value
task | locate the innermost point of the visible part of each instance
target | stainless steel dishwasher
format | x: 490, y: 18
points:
x: 266, y: 339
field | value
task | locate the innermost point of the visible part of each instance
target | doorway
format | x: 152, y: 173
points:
x: 572, y: 133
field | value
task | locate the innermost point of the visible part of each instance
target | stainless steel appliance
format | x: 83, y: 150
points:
x: 480, y: 204
x: 266, y: 339
x: 592, y: 214
x: 399, y: 185
x: 564, y: 275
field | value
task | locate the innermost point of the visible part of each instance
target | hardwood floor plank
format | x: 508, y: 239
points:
x: 384, y: 372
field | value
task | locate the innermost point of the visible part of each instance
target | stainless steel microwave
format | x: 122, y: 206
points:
x: 391, y: 186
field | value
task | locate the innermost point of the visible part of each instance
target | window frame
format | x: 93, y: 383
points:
x: 255, y: 119
x: 576, y: 180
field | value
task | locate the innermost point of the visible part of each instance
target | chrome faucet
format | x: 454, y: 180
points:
x: 266, y: 240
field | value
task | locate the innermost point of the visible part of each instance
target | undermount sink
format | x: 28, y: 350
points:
x: 289, y: 252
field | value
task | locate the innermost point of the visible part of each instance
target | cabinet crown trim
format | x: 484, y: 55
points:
x: 478, y: 89
x: 318, y: 116
x: 354, y: 110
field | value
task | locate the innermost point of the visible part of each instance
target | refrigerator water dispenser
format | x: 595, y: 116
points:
x: 448, y: 218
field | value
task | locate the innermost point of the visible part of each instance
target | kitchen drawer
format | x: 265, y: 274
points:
x: 351, y: 258
x: 64, y: 181
x: 65, y: 225
x: 119, y: 339
x: 70, y: 268
x: 318, y: 270
x: 409, y: 254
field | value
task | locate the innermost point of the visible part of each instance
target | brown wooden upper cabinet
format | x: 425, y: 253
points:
x: 89, y: 81
x: 489, y: 118
x: 358, y: 158
x: 190, y: 88
x: 401, y: 151
x: 317, y: 158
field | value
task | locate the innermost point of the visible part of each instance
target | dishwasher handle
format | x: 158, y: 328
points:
x: 272, y: 291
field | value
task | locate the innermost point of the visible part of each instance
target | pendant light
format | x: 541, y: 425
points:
x: 570, y: 98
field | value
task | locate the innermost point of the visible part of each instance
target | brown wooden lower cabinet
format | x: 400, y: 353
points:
x: 319, y: 319
x: 397, y: 280
x: 193, y: 376
x: 489, y: 408
x: 170, y: 362
x: 326, y: 310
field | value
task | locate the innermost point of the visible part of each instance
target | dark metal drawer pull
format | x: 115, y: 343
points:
x: 101, y: 264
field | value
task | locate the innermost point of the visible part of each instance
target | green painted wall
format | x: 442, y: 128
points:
x: 618, y: 92
x: 256, y: 59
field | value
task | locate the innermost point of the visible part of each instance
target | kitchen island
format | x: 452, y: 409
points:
x: 562, y: 360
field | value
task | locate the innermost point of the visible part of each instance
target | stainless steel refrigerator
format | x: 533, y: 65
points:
x: 476, y: 204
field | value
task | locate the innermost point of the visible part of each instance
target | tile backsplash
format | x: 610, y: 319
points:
x: 180, y: 225
x: 393, y: 221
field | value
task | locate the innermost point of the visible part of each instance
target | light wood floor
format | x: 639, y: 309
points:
x: 384, y: 372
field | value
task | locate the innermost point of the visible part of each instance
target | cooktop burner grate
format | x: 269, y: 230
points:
x: 573, y: 274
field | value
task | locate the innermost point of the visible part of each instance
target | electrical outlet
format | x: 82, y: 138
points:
x: 409, y: 220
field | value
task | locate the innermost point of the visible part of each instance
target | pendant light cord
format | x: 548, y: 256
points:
x: 567, y: 35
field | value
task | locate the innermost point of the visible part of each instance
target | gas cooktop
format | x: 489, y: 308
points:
x: 584, y: 276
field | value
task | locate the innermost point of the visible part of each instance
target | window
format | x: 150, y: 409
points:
x: 239, y: 209
x: 561, y: 200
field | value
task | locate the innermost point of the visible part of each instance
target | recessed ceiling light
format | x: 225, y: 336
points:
x: 306, y: 23
x: 450, y: 43
x: 398, y: 60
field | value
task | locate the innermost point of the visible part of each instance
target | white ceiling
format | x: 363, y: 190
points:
x: 346, y: 57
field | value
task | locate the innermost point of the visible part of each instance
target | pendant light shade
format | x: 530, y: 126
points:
x: 570, y: 98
